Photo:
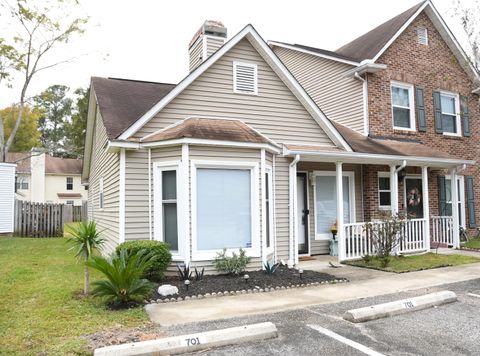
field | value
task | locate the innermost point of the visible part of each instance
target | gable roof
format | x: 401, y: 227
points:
x: 209, y: 129
x: 371, y: 45
x: 368, y: 45
x: 123, y: 101
x: 53, y: 165
x: 273, y: 61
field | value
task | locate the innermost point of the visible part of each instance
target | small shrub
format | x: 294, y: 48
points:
x: 367, y: 258
x: 184, y: 271
x: 199, y: 275
x: 157, y: 249
x: 270, y: 268
x: 235, y: 264
x: 124, y: 274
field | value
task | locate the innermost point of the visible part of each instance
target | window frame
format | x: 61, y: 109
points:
x: 384, y: 175
x: 158, y: 202
x: 351, y: 192
x: 70, y: 202
x: 67, y: 183
x: 411, y: 102
x: 458, y: 118
x: 253, y: 166
x: 255, y: 77
x: 101, y: 196
x: 421, y: 28
x: 461, y: 197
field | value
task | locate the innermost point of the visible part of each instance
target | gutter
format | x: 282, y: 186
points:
x: 292, y: 170
x: 366, y: 66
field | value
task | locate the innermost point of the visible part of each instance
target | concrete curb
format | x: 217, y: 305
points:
x: 399, y: 307
x: 193, y: 342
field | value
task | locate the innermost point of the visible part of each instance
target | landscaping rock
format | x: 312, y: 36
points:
x: 167, y: 289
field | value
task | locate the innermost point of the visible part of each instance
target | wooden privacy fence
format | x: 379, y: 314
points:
x: 45, y: 220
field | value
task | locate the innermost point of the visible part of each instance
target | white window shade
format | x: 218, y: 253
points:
x: 224, y: 209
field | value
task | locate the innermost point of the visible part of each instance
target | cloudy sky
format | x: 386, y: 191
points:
x: 147, y: 39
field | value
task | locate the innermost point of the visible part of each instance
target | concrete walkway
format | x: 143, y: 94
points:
x: 363, y: 283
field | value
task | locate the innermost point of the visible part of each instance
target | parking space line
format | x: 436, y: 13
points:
x: 366, y: 350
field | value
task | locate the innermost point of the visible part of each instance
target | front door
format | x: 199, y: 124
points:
x: 302, y: 213
x: 414, y: 197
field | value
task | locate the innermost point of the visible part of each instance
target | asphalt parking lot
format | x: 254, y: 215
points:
x: 452, y: 329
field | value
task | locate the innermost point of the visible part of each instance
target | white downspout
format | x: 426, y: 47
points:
x: 292, y: 205
x: 150, y: 194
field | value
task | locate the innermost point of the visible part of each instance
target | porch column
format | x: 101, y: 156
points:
x: 456, y: 224
x: 340, y: 233
x: 393, y: 189
x: 426, y: 207
x: 292, y: 203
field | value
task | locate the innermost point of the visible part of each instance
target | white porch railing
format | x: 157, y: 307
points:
x: 358, y: 244
x: 442, y: 230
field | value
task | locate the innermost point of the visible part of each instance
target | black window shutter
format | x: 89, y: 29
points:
x: 437, y: 108
x: 472, y: 221
x: 420, y: 106
x: 465, y: 115
x: 442, y: 197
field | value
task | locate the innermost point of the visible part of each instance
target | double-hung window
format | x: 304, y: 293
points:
x: 403, y: 112
x: 225, y: 208
x: 450, y: 113
x: 69, y: 183
x: 169, y: 208
x: 384, y: 197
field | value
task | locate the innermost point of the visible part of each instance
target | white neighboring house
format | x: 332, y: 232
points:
x: 7, y: 184
x: 42, y: 178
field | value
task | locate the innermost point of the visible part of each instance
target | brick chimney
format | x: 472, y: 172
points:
x: 208, y: 39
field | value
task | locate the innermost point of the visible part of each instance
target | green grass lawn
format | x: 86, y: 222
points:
x: 472, y: 243
x: 39, y: 309
x: 416, y: 263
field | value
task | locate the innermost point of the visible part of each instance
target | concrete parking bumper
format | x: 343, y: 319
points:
x: 193, y: 342
x: 399, y: 306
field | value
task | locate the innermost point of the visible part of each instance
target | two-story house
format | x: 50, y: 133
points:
x: 267, y: 146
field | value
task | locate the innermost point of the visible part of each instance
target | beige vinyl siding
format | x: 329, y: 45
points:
x: 340, y: 98
x: 213, y: 44
x: 322, y: 246
x: 106, y: 165
x: 136, y: 189
x: 275, y: 111
x: 196, y: 52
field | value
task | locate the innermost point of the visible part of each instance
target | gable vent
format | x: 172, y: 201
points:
x: 244, y: 78
x: 422, y: 35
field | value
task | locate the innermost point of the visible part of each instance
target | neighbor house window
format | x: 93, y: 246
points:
x: 244, y: 78
x: 169, y: 207
x: 402, y: 106
x: 384, y: 190
x: 422, y: 35
x: 69, y: 202
x: 223, y: 208
x: 69, y: 183
x: 450, y: 113
x: 100, y: 193
x: 21, y: 182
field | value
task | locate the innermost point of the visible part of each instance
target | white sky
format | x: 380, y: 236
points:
x: 147, y: 39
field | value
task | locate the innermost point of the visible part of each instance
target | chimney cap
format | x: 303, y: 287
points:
x: 210, y: 27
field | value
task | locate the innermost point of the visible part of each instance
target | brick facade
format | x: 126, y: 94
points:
x: 434, y: 67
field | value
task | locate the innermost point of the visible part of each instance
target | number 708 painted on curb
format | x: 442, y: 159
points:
x: 408, y: 304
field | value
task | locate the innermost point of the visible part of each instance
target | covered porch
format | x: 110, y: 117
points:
x: 327, y: 189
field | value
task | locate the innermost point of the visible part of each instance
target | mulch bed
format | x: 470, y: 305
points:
x: 259, y: 281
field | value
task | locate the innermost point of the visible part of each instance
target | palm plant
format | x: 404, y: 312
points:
x: 85, y: 239
x: 124, y: 276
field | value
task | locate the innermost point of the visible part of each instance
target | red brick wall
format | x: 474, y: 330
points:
x: 433, y: 67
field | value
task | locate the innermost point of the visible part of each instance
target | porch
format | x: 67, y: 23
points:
x: 335, y: 191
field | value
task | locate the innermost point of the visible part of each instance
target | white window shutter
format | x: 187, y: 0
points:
x: 245, y: 78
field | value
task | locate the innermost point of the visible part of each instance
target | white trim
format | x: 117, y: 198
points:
x: 307, y: 237
x: 121, y: 208
x: 158, y: 168
x: 365, y: 67
x: 150, y: 229
x: 271, y: 210
x: 461, y: 198
x: 426, y: 206
x: 411, y: 104
x: 253, y: 166
x: 384, y: 175
x: 457, y: 114
x: 183, y: 213
x: 266, y: 52
x: 351, y: 192
x: 263, y: 187
x: 273, y: 240
x: 316, y: 54
x: 373, y: 158
x: 366, y: 119
x: 255, y: 77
